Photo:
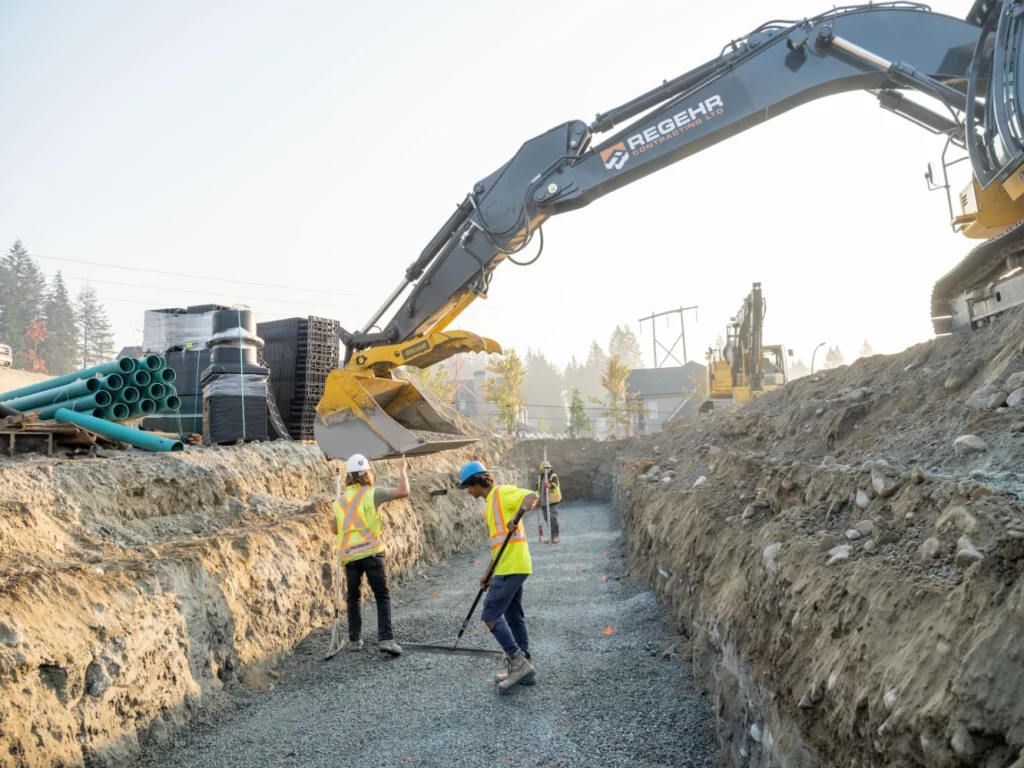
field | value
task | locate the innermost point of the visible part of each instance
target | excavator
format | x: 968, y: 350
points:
x: 745, y: 368
x: 957, y: 78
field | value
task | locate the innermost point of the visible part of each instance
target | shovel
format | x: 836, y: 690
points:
x: 441, y: 646
x: 337, y: 639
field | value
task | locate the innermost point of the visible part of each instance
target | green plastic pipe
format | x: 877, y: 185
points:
x: 123, y: 365
x: 141, y: 378
x: 156, y: 392
x: 91, y: 402
x: 151, y: 363
x: 128, y: 395
x: 169, y: 404
x: 115, y: 412
x: 55, y: 395
x: 167, y: 375
x: 133, y: 437
x: 144, y: 407
x: 112, y: 383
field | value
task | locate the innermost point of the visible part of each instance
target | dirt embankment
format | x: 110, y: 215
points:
x: 585, y: 467
x: 847, y: 557
x: 134, y: 590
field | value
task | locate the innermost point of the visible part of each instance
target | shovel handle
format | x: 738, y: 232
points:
x: 487, y: 576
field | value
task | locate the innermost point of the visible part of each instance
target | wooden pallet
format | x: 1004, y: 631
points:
x: 23, y: 434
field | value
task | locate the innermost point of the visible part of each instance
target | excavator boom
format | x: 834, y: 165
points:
x: 882, y: 48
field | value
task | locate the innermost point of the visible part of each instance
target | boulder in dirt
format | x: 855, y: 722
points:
x: 1015, y: 381
x: 839, y: 554
x: 870, y: 545
x: 700, y: 481
x: 769, y: 554
x: 862, y: 499
x: 859, y: 394
x: 967, y: 557
x: 853, y: 534
x: 884, y: 484
x: 968, y: 445
x: 978, y: 401
x: 10, y: 633
x: 960, y: 376
x: 865, y: 527
x: 998, y: 400
x: 1015, y: 399
x: 930, y: 548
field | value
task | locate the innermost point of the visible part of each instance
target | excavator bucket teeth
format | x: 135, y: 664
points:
x: 373, y: 416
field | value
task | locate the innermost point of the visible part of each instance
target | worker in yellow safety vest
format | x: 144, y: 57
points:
x: 548, y: 484
x: 358, y: 527
x: 503, y: 607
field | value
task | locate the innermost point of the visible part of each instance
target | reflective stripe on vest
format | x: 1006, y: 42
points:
x: 498, y: 524
x: 352, y: 526
x: 554, y: 492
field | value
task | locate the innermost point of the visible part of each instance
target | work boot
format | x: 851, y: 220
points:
x: 354, y: 645
x: 519, y: 671
x: 390, y: 646
x: 498, y: 678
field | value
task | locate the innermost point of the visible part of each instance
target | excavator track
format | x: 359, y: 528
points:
x: 982, y: 266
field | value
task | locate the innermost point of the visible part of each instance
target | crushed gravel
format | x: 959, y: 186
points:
x: 602, y: 699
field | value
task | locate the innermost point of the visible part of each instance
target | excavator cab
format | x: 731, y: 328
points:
x: 366, y: 409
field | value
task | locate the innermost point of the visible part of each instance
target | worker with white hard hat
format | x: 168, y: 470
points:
x: 358, y: 526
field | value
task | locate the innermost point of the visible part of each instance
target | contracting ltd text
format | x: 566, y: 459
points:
x: 671, y: 127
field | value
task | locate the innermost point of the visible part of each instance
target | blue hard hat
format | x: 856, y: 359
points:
x: 473, y: 468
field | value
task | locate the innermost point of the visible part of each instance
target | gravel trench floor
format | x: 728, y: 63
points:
x: 604, y: 695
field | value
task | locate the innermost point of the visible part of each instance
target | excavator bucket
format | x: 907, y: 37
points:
x: 373, y: 416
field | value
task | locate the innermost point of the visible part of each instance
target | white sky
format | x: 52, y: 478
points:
x: 320, y: 145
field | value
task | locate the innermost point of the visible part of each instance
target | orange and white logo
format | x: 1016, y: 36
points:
x: 615, y: 156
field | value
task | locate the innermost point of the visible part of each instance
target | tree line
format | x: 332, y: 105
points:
x: 47, y: 330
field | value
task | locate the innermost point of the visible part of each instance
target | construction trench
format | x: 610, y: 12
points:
x: 830, y: 576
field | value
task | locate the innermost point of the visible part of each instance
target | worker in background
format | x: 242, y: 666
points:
x: 357, y: 524
x: 503, y: 607
x: 553, y: 489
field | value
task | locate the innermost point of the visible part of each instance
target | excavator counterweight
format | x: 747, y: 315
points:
x: 963, y: 74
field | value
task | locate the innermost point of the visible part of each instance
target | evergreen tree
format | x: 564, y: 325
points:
x: 60, y: 350
x: 625, y: 346
x: 798, y: 369
x: 594, y: 369
x: 505, y: 391
x: 866, y: 350
x: 579, y: 422
x: 97, y: 339
x: 834, y: 358
x: 22, y: 297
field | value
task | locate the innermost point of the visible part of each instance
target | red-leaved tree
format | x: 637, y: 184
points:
x: 35, y: 335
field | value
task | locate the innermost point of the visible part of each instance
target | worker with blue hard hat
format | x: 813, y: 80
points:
x: 504, y: 579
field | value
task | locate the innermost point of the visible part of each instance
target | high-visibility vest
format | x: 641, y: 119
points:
x: 502, y: 504
x: 554, y: 492
x: 359, y: 524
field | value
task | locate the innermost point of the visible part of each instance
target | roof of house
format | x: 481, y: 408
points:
x: 652, y: 382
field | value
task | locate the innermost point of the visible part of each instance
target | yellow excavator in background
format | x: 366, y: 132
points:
x: 745, y: 368
x: 966, y: 70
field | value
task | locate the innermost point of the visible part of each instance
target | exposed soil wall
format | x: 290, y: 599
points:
x: 134, y: 589
x: 585, y: 467
x: 847, y: 558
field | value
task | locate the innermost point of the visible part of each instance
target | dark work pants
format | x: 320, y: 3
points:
x: 373, y: 567
x: 554, y: 519
x: 503, y: 606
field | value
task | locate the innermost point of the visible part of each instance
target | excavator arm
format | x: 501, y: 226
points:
x: 880, y: 48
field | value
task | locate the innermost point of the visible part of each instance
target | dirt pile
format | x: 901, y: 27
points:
x: 134, y: 589
x: 846, y: 556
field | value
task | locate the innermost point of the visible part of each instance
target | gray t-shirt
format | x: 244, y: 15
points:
x: 383, y: 495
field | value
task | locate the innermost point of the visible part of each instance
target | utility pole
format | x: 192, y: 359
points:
x: 680, y: 337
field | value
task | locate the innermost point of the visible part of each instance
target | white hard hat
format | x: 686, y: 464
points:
x: 356, y: 463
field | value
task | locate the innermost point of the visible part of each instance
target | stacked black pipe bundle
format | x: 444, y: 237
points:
x: 301, y: 352
x: 234, y: 384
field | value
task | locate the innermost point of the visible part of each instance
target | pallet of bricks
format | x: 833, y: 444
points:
x: 300, y: 352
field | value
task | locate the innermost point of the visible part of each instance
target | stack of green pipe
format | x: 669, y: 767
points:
x: 92, y: 390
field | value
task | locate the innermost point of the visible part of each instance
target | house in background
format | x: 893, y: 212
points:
x: 665, y: 393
